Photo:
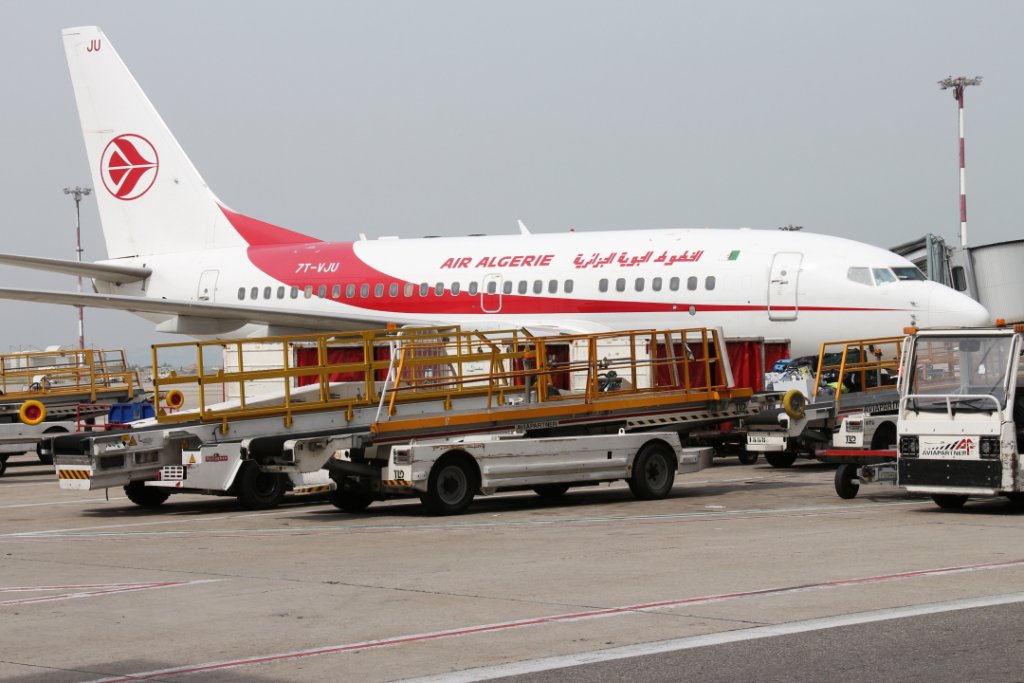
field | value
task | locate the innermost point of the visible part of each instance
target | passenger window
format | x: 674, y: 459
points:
x: 656, y: 284
x: 321, y: 291
x: 492, y: 287
x: 523, y: 285
x: 424, y: 288
x: 709, y: 282
x: 295, y: 293
x: 241, y: 293
x: 378, y: 290
x: 691, y: 283
x: 364, y: 291
x: 639, y: 284
x: 859, y: 275
x: 538, y: 286
x: 254, y: 293
x: 350, y: 291
x: 568, y: 286
x: 673, y: 284
x: 620, y: 284
x: 336, y: 292
x: 602, y: 286
x: 473, y: 288
x: 456, y: 288
x: 267, y: 291
x: 506, y: 287
x: 280, y: 292
x: 308, y: 291
x: 409, y: 289
x: 883, y: 276
x: 553, y: 287
x: 439, y: 289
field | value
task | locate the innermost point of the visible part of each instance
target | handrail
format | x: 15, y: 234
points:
x: 65, y: 373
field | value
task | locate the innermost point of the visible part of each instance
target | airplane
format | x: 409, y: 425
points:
x: 178, y: 256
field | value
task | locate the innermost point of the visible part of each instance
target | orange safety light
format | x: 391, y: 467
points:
x: 910, y: 329
x: 1018, y: 328
x: 1000, y: 322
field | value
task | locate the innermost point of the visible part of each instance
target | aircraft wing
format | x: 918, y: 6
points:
x: 95, y: 271
x: 201, y: 318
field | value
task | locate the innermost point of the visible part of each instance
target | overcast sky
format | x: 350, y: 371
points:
x: 449, y: 118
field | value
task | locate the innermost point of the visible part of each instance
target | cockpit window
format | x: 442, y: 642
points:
x: 861, y: 275
x: 909, y: 273
x: 883, y: 276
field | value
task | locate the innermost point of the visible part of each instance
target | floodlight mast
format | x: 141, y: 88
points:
x: 957, y: 85
x: 77, y: 193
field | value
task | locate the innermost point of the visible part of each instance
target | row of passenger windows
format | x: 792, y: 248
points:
x: 491, y: 287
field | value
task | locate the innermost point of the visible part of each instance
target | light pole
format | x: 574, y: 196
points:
x: 958, y: 84
x: 77, y: 193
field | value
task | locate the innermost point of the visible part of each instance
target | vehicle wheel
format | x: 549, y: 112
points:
x: 550, y: 491
x: 451, y: 486
x: 845, y: 485
x: 949, y: 501
x: 259, y: 490
x: 654, y: 472
x: 747, y: 458
x: 47, y: 459
x: 351, y: 497
x: 782, y: 460
x: 146, y: 496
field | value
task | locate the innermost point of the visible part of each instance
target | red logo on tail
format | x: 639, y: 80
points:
x: 129, y: 166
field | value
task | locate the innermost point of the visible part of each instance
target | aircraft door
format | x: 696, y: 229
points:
x: 207, y: 285
x: 490, y: 293
x: 782, y: 286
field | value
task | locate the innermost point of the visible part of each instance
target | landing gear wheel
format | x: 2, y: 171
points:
x: 846, y: 484
x: 747, y: 458
x: 654, y: 472
x: 351, y: 497
x: 551, y: 491
x: 949, y: 501
x: 259, y: 490
x: 146, y: 496
x: 781, y: 460
x: 451, y: 486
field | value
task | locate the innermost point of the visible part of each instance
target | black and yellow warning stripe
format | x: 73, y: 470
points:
x: 73, y: 474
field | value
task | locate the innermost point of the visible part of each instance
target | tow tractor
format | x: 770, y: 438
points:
x: 849, y: 400
x: 442, y: 414
x: 961, y: 415
x: 58, y: 391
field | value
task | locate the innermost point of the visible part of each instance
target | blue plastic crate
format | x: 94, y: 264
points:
x: 129, y: 412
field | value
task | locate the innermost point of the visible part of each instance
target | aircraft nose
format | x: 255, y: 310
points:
x: 949, y: 308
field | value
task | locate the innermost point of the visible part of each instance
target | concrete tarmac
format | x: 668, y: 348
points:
x: 202, y: 590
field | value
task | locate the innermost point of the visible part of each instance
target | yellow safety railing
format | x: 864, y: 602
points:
x: 387, y: 368
x: 84, y: 374
x: 861, y: 365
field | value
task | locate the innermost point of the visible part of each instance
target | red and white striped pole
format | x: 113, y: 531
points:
x: 958, y: 84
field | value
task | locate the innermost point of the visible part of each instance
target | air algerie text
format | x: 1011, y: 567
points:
x: 518, y: 261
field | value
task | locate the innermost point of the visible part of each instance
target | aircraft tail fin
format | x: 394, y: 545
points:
x: 151, y: 198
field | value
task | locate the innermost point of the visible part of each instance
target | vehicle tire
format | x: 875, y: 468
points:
x: 794, y: 403
x: 845, y: 485
x: 1016, y: 500
x: 654, y: 472
x: 48, y: 458
x: 885, y: 437
x: 259, y: 490
x: 781, y: 460
x: 146, y: 496
x: 351, y: 498
x: 451, y: 486
x: 551, y: 491
x: 949, y: 501
x: 747, y: 458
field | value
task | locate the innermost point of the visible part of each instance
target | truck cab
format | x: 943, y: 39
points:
x: 960, y: 415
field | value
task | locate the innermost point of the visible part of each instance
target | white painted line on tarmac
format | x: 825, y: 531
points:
x: 721, y: 638
x: 558, y: 618
x: 78, y: 592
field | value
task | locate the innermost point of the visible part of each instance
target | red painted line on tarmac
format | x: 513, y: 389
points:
x: 490, y: 628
